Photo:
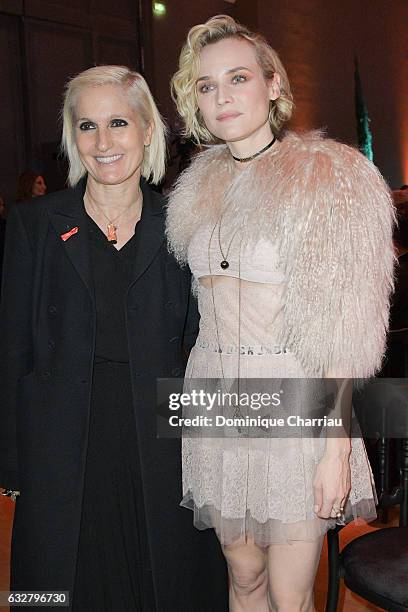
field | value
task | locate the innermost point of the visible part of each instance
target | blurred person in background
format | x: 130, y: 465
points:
x: 3, y: 212
x: 30, y: 185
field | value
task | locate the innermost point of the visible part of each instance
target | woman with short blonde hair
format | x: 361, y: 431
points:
x: 288, y: 238
x: 139, y: 97
x: 94, y: 310
x: 183, y: 83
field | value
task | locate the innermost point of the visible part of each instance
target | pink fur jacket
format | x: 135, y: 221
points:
x: 331, y: 215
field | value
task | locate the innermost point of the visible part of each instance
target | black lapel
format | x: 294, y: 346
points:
x: 66, y: 214
x: 149, y: 230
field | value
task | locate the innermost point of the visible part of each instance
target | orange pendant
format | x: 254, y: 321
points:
x: 112, y: 233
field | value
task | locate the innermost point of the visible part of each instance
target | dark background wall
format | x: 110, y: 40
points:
x: 44, y: 42
x: 317, y: 40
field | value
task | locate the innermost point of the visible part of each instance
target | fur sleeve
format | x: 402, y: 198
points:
x: 341, y: 271
x: 183, y: 204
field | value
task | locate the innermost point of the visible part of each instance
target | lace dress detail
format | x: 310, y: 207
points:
x: 257, y: 487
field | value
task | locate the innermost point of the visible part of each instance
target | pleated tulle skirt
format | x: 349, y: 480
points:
x: 113, y: 567
x: 262, y: 488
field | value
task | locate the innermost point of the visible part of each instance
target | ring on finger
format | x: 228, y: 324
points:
x: 338, y: 512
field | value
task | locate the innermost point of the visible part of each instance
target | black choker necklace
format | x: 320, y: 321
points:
x: 246, y: 159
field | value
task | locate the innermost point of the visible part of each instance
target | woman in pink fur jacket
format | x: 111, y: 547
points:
x: 289, y: 241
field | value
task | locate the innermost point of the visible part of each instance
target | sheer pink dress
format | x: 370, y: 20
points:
x: 257, y: 487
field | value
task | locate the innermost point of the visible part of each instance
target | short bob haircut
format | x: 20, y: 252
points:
x: 183, y: 83
x: 140, y: 98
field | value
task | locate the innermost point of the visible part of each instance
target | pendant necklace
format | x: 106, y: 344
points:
x: 111, y: 227
x: 224, y: 263
x: 237, y: 412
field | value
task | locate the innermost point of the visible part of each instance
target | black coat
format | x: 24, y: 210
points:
x: 46, y: 360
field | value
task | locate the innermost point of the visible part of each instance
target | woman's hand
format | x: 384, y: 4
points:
x: 332, y: 481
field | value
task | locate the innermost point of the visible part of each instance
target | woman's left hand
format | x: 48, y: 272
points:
x: 332, y: 480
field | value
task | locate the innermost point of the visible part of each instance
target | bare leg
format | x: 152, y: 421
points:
x: 291, y: 571
x: 248, y: 577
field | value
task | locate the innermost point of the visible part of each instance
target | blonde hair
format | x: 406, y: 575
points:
x: 183, y: 83
x: 139, y: 97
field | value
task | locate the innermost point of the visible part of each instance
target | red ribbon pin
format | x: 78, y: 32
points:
x: 71, y: 232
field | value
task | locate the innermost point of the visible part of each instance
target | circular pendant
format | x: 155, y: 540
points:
x: 224, y: 264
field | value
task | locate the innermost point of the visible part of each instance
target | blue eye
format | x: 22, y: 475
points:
x: 118, y: 123
x: 239, y: 78
x: 86, y: 125
x: 206, y: 88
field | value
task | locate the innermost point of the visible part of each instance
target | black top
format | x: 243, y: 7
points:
x: 46, y: 347
x: 112, y: 273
